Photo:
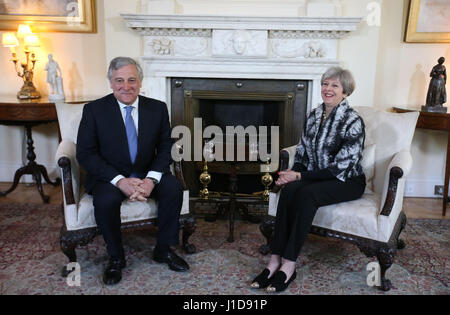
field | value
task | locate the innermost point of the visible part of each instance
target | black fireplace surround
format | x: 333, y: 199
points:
x: 238, y: 102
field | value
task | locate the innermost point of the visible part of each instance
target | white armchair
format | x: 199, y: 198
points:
x: 79, y: 226
x: 375, y: 221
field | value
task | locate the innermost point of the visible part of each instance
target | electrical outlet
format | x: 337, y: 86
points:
x: 409, y: 189
x: 439, y: 190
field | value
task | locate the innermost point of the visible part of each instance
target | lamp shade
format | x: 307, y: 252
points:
x: 9, y: 40
x: 32, y: 41
x: 23, y: 30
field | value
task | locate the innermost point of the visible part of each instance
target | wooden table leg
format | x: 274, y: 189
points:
x: 32, y: 168
x: 447, y: 175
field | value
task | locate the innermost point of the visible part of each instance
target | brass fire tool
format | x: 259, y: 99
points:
x: 205, y: 179
x: 266, y: 180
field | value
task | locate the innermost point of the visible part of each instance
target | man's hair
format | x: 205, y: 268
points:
x: 120, y: 62
x: 344, y: 76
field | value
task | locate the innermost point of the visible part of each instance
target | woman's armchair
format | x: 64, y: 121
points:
x: 375, y: 221
x: 79, y: 226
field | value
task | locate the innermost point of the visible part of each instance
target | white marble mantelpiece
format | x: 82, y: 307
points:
x: 299, y: 48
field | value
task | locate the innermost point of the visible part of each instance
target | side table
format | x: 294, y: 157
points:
x: 435, y: 121
x: 29, y: 113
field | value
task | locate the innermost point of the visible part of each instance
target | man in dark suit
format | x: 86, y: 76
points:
x: 124, y: 145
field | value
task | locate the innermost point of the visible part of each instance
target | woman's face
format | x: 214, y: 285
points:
x: 332, y: 92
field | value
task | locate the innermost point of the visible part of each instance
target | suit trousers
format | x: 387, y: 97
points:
x: 108, y: 200
x: 298, y: 204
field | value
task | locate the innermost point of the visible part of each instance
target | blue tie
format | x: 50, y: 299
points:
x: 131, y: 134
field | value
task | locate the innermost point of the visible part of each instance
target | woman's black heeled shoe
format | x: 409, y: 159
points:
x: 261, y: 281
x: 278, y: 282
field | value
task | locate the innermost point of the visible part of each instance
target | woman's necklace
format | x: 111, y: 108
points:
x: 325, y: 114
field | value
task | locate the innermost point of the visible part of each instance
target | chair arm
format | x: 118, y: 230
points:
x: 178, y: 168
x: 399, y: 167
x: 64, y: 154
x: 66, y: 148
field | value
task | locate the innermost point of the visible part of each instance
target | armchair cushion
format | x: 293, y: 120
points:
x: 129, y: 212
x: 342, y: 217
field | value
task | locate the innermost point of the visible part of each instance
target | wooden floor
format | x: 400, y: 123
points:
x: 425, y: 208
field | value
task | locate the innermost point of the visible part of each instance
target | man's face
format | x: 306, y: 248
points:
x: 126, y: 84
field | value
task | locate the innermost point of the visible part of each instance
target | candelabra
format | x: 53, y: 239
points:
x: 28, y: 90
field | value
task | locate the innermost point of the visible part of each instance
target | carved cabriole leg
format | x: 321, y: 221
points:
x: 69, y: 240
x: 187, y: 223
x: 267, y: 228
x: 385, y: 258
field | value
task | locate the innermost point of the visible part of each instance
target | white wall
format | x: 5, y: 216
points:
x: 388, y: 72
x: 402, y: 79
x: 82, y: 59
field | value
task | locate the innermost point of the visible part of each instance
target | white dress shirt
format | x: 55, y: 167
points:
x: 135, y: 116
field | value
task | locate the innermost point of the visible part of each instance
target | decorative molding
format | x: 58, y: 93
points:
x: 183, y: 32
x: 299, y: 49
x: 319, y: 34
x: 323, y: 24
x: 238, y: 47
x: 244, y: 43
x: 196, y: 46
x: 161, y: 46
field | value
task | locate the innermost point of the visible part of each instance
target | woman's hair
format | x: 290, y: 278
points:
x: 344, y: 76
x: 120, y: 62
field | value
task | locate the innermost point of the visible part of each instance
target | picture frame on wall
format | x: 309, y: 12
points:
x: 428, y: 21
x: 78, y: 16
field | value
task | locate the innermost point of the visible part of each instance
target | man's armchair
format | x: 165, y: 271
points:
x: 79, y: 226
x: 375, y: 221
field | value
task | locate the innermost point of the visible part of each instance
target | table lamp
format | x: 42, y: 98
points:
x: 30, y: 41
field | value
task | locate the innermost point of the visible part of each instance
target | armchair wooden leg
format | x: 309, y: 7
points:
x: 69, y: 240
x: 188, y: 226
x: 385, y: 258
x: 267, y: 228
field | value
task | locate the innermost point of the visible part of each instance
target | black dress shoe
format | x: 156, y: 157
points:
x: 278, y: 281
x: 113, y: 272
x: 175, y: 262
x: 262, y: 280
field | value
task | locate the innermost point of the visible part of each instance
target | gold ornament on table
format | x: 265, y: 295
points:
x: 266, y: 180
x: 30, y: 41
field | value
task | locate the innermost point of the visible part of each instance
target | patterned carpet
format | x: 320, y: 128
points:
x: 31, y: 260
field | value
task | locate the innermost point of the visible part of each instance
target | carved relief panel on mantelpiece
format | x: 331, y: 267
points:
x: 177, y: 42
x: 303, y: 44
x: 239, y: 43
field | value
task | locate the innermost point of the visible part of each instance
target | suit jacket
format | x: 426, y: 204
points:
x: 102, y: 145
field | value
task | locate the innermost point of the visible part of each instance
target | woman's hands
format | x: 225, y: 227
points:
x: 287, y: 176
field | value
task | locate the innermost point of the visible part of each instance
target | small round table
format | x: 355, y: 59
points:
x: 30, y: 113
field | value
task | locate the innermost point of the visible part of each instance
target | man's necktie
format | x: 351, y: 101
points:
x: 131, y: 134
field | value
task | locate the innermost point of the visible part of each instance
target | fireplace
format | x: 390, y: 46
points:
x: 210, y: 66
x: 239, y: 102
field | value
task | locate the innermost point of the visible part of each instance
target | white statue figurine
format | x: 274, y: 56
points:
x: 54, y: 78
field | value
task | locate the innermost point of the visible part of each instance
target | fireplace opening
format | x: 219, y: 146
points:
x: 238, y: 102
x: 223, y: 113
